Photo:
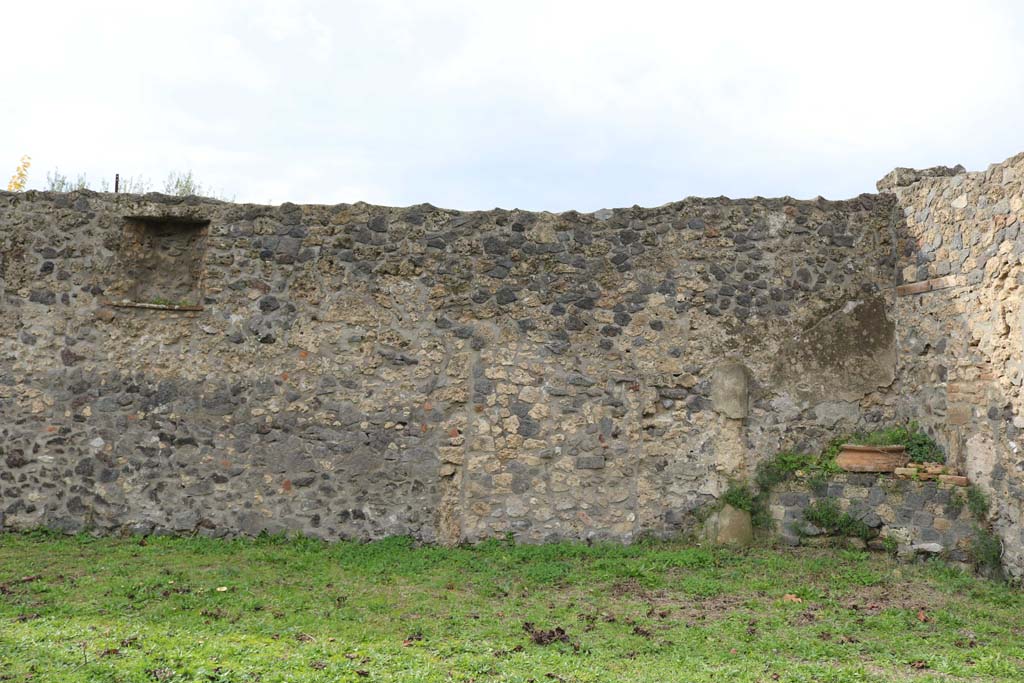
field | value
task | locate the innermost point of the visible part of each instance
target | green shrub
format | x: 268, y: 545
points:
x: 977, y: 503
x: 778, y: 469
x: 826, y: 515
x: 740, y: 497
x: 956, y: 503
x: 833, y: 448
x: 760, y: 518
x: 770, y: 473
x: 818, y: 483
x: 986, y: 550
x: 921, y: 447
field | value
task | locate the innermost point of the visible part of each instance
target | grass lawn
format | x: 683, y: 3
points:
x: 87, y: 609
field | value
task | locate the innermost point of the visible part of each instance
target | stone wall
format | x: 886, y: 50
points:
x: 180, y: 365
x: 960, y: 332
x: 909, y: 517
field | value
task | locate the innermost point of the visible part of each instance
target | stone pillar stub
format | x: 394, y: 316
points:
x: 730, y: 394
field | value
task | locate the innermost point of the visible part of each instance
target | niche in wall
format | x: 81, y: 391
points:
x: 163, y: 258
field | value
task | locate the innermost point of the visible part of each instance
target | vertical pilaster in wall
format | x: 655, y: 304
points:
x: 451, y: 471
x: 653, y: 426
x: 730, y: 396
x: 457, y: 443
x: 449, y: 513
x: 628, y: 512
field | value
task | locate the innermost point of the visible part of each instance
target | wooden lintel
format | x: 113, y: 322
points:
x: 927, y: 285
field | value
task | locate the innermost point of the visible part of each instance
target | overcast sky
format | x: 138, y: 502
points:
x: 553, y: 104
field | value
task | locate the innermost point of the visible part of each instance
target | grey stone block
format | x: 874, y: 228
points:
x: 872, y: 519
x: 794, y: 498
x: 905, y: 516
x: 590, y: 462
x: 876, y: 496
x: 862, y: 479
x: 789, y: 538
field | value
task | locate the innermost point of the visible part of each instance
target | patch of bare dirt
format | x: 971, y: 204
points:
x: 7, y: 588
x: 874, y: 599
x: 912, y: 671
x: 629, y: 588
x: 663, y: 603
x: 808, y: 616
x: 541, y: 636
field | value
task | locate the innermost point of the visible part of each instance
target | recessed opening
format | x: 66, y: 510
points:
x: 164, y: 258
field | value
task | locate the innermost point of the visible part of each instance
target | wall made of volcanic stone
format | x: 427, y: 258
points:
x: 360, y: 371
x: 960, y: 326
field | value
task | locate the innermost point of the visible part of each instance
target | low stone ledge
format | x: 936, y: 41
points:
x: 905, y: 513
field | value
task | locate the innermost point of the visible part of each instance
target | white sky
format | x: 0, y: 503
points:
x: 551, y: 104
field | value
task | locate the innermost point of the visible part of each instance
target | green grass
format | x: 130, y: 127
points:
x: 85, y: 609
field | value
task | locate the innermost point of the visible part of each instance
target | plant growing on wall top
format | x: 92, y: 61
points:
x: 20, y: 177
x: 185, y: 185
x: 181, y: 184
x: 58, y: 182
x: 818, y: 467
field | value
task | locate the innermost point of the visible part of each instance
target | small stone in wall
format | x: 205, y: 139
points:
x: 590, y: 462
